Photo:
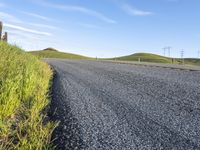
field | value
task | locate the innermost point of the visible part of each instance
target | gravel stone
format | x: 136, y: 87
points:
x: 114, y: 106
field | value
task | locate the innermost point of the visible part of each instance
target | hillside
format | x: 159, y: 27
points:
x: 53, y: 53
x: 192, y: 61
x: 145, y: 57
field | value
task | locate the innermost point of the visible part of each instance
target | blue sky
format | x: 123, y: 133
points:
x: 104, y: 28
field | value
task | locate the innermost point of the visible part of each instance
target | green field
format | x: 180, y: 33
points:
x: 24, y: 85
x: 143, y: 57
x: 146, y: 57
x: 192, y: 61
x: 52, y: 53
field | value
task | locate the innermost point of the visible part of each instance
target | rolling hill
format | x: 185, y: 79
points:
x: 144, y: 57
x: 147, y: 57
x: 192, y: 61
x: 53, y: 53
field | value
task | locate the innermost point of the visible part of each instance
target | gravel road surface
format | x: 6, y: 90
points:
x: 111, y: 106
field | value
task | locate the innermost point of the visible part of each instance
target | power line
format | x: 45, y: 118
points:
x: 182, y: 56
x: 169, y: 50
x: 166, y: 50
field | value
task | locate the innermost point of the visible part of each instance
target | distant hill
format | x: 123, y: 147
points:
x: 146, y: 57
x: 53, y: 53
x: 192, y: 61
x: 50, y: 49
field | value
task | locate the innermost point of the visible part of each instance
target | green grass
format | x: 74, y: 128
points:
x: 192, y: 61
x: 24, y: 84
x: 52, y: 53
x: 145, y: 57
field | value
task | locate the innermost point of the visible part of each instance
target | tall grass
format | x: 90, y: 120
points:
x: 24, y: 84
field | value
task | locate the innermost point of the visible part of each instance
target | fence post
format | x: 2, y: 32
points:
x: 1, y: 28
x: 5, y: 37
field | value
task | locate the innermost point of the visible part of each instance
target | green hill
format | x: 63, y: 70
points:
x: 53, y: 53
x: 192, y: 61
x: 145, y: 57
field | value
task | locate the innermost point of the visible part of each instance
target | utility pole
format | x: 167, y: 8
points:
x: 1, y: 28
x: 164, y: 50
x: 182, y: 56
x: 167, y: 49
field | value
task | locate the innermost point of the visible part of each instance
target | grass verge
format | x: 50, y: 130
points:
x: 24, y: 84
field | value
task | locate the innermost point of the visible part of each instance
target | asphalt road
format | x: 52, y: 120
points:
x: 110, y: 106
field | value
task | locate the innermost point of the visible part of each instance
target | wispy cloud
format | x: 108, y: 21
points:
x: 135, y: 12
x: 80, y: 9
x: 86, y: 11
x: 10, y: 18
x: 43, y: 26
x: 38, y: 16
x: 90, y: 26
x: 21, y: 34
x: 23, y: 29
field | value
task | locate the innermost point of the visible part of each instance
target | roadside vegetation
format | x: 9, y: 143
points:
x: 24, y: 85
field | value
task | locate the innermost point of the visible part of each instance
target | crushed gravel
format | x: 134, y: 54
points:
x: 105, y: 106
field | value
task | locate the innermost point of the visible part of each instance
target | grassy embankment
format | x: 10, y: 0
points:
x: 24, y: 84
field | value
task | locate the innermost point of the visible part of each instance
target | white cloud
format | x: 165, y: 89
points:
x: 23, y: 35
x: 135, y: 12
x: 43, y: 26
x: 19, y: 28
x: 37, y: 16
x: 30, y: 41
x: 80, y: 9
x: 86, y: 11
x: 90, y: 26
x: 7, y: 17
